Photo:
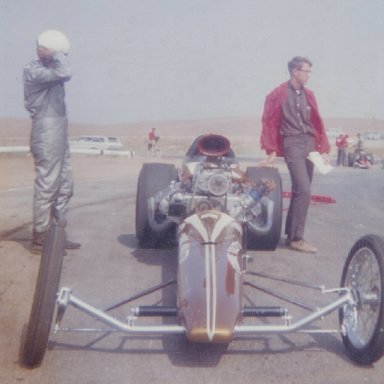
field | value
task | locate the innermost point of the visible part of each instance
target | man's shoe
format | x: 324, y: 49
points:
x: 36, y: 249
x: 71, y: 245
x: 302, y: 246
x: 39, y: 239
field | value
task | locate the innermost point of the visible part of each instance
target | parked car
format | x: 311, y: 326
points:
x: 373, y: 136
x: 97, y: 142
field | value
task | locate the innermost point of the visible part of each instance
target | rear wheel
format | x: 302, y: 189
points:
x: 44, y: 300
x: 153, y: 178
x: 363, y: 321
x: 371, y: 158
x: 269, y: 240
x: 351, y: 159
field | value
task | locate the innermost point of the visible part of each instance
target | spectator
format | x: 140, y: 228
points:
x: 341, y: 144
x: 292, y: 127
x: 152, y: 138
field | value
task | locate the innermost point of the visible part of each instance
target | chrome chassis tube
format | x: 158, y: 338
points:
x: 66, y: 298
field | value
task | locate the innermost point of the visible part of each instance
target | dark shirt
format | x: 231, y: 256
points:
x: 296, y: 113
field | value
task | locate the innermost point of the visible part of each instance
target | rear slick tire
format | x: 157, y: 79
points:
x: 153, y: 178
x: 44, y: 300
x: 270, y: 240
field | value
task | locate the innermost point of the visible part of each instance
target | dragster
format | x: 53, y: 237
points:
x: 214, y: 213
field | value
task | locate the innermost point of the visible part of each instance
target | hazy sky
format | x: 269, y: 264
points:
x: 139, y: 60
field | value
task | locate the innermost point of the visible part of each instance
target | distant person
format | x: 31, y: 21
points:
x: 152, y: 138
x: 44, y: 93
x: 359, y: 146
x: 292, y: 127
x: 362, y: 158
x: 341, y: 144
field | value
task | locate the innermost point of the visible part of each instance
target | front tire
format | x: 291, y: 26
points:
x: 270, y: 240
x: 363, y: 321
x: 153, y: 178
x: 44, y: 300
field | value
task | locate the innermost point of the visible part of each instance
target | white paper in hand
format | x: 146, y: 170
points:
x: 318, y: 160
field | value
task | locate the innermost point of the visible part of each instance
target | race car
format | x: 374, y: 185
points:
x: 360, y: 159
x: 213, y: 213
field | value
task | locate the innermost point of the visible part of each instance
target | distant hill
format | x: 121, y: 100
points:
x: 16, y: 131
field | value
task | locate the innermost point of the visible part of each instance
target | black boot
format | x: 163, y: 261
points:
x: 71, y: 245
x: 38, y: 243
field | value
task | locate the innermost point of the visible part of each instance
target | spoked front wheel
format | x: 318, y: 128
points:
x: 363, y: 321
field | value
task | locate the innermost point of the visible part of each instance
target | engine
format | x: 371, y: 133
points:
x: 212, y: 180
x: 212, y: 186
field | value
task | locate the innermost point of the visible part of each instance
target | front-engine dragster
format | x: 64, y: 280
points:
x: 214, y: 213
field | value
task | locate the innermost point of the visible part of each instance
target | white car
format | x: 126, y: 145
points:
x: 97, y: 142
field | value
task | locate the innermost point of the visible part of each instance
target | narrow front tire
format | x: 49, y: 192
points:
x: 36, y: 338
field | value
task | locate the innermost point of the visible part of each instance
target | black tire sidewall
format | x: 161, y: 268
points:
x: 44, y: 300
x: 153, y: 178
x: 270, y: 240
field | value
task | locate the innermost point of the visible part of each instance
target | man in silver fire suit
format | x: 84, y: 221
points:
x: 44, y: 96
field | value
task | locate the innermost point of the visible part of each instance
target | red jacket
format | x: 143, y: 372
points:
x: 342, y: 141
x: 270, y: 138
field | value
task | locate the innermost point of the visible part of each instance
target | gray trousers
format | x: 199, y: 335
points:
x: 54, y: 182
x: 296, y: 150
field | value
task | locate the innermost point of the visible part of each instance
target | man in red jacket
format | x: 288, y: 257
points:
x: 341, y: 144
x: 292, y: 127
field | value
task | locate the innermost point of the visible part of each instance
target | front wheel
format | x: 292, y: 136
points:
x: 44, y: 300
x: 363, y: 321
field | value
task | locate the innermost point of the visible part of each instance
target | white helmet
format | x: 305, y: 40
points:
x: 55, y: 40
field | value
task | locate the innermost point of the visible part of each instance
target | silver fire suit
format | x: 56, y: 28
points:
x: 44, y: 96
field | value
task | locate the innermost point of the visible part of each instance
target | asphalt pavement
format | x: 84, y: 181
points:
x: 110, y: 267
